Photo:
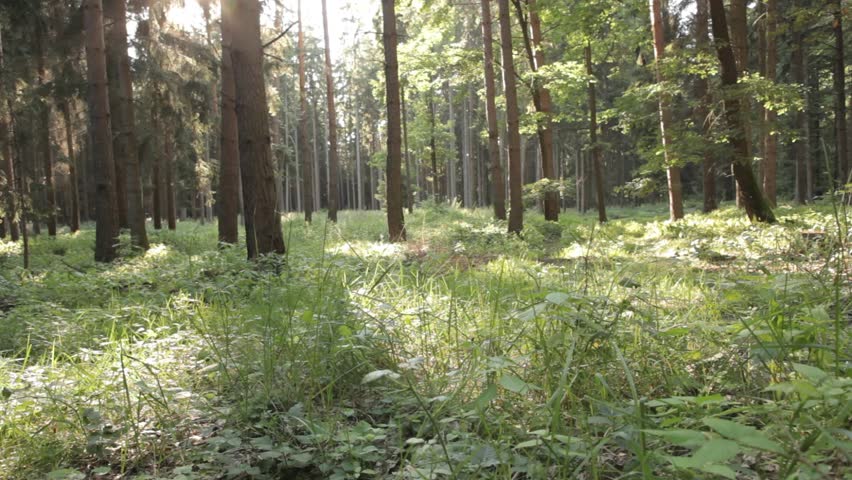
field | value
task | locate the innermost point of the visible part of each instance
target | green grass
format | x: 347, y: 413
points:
x: 707, y: 348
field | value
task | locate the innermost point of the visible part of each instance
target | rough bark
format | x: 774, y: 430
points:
x: 770, y: 138
x: 253, y: 129
x: 497, y: 178
x: 333, y: 162
x: 800, y: 147
x: 593, y: 136
x: 106, y: 230
x: 307, y: 166
x: 7, y: 167
x: 44, y: 143
x: 738, y: 28
x: 754, y: 202
x: 702, y: 111
x: 409, y: 189
x: 229, y: 151
x: 396, y: 220
x: 74, y: 215
x: 841, y: 139
x: 672, y: 170
x: 516, y: 204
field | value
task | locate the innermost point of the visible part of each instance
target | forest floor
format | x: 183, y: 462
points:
x: 706, y: 348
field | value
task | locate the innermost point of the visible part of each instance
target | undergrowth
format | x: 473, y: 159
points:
x: 707, y: 348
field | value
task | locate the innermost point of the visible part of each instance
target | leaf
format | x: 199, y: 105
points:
x: 681, y: 437
x: 513, y: 383
x: 716, y: 450
x: 484, y: 398
x: 744, y: 434
x: 529, y: 443
x: 813, y: 374
x: 373, y: 376
x: 721, y: 470
x: 557, y: 298
x: 414, y: 441
x: 65, y: 474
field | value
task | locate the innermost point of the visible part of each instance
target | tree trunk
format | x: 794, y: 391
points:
x: 433, y: 152
x: 702, y: 110
x: 593, y: 136
x: 409, y: 189
x: 770, y: 138
x: 7, y: 167
x: 497, y: 178
x: 672, y: 170
x: 156, y: 173
x: 46, y: 150
x: 128, y: 172
x: 738, y: 28
x: 307, y: 167
x: 169, y: 165
x: 797, y: 65
x: 516, y: 203
x: 106, y: 230
x: 754, y: 202
x: 258, y: 175
x: 333, y: 162
x: 74, y: 217
x: 841, y: 139
x: 396, y: 220
x: 229, y: 154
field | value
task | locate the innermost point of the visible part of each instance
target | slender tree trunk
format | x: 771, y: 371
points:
x: 46, y: 151
x: 156, y: 173
x: 516, y: 212
x: 128, y: 172
x: 396, y: 220
x: 593, y: 136
x: 409, y: 189
x: 106, y: 230
x: 7, y: 167
x: 738, y: 28
x: 171, y: 210
x: 666, y: 123
x: 800, y: 147
x: 307, y: 167
x: 702, y: 110
x: 754, y: 202
x: 74, y: 217
x: 770, y: 138
x: 497, y: 178
x: 841, y: 139
x: 333, y: 162
x: 433, y: 151
x: 229, y: 162
x: 258, y: 174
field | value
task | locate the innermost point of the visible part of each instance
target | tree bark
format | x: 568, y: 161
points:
x: 593, y: 135
x: 497, y: 178
x: 229, y: 154
x: 253, y: 129
x: 738, y: 28
x: 169, y: 165
x: 307, y: 167
x: 672, y: 170
x: 106, y: 230
x: 74, y: 217
x: 46, y: 150
x: 7, y: 166
x: 702, y: 111
x: 396, y: 220
x: 770, y: 138
x: 800, y: 147
x: 409, y: 189
x: 754, y: 202
x: 128, y: 171
x: 433, y: 152
x: 516, y: 203
x: 333, y: 162
x: 841, y: 139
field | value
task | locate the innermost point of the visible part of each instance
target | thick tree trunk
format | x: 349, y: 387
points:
x: 497, y: 178
x: 770, y: 138
x: 593, y: 136
x: 516, y: 203
x: 229, y: 151
x: 307, y: 167
x: 74, y: 215
x: 106, y: 230
x: 841, y: 139
x: 738, y: 28
x: 46, y: 150
x: 672, y: 170
x: 7, y: 167
x: 333, y: 162
x: 258, y: 174
x: 702, y: 110
x: 396, y: 220
x: 754, y: 202
x: 128, y: 171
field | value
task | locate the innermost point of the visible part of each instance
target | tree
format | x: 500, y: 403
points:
x: 307, y: 165
x: 7, y: 167
x: 516, y: 205
x: 333, y: 162
x: 770, y: 140
x: 753, y: 200
x: 593, y: 135
x: 74, y: 217
x: 128, y: 171
x: 672, y: 169
x: 396, y: 220
x: 258, y: 175
x: 46, y: 149
x: 229, y: 153
x: 702, y: 110
x: 839, y: 76
x: 106, y: 230
x: 498, y: 186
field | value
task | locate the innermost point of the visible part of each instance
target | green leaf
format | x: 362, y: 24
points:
x: 65, y: 474
x: 716, y: 450
x: 557, y: 298
x: 529, y: 443
x: 720, y: 470
x: 513, y: 383
x: 373, y: 376
x: 743, y: 434
x: 813, y: 374
x: 681, y: 437
x: 484, y: 398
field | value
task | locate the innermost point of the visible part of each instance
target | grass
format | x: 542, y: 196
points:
x: 707, y: 348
